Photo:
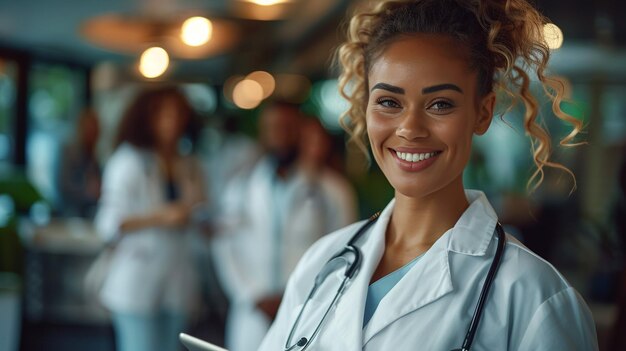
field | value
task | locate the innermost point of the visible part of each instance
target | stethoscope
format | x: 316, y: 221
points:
x: 351, y: 257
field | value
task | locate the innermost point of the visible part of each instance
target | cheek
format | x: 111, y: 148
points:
x: 458, y: 137
x: 377, y: 129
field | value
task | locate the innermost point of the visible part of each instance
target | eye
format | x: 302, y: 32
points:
x: 387, y: 102
x: 441, y: 106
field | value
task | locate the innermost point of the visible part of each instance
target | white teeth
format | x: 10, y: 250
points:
x: 415, y: 157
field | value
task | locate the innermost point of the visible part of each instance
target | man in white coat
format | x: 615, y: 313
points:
x: 270, y: 218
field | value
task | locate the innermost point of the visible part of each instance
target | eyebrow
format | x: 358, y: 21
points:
x: 388, y: 87
x: 435, y: 88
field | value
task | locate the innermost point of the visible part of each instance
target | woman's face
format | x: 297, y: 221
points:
x: 168, y: 123
x: 422, y: 112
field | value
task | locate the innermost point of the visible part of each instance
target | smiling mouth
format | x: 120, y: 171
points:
x: 415, y: 157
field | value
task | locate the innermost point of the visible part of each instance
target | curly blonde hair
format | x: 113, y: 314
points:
x: 504, y: 39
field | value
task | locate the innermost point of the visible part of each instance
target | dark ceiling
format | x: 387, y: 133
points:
x: 50, y: 29
x: 300, y: 43
x: 588, y: 20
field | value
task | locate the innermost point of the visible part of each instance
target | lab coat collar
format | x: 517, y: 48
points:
x: 473, y: 231
x: 430, y: 278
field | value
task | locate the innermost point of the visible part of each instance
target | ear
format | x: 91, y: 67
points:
x: 485, y: 113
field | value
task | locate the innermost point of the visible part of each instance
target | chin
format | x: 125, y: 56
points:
x: 421, y: 188
x: 413, y: 189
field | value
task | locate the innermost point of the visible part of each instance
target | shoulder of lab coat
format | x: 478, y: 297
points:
x: 553, y: 315
x: 122, y: 173
x: 541, y: 310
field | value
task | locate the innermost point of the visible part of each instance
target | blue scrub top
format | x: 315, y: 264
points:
x: 378, y: 289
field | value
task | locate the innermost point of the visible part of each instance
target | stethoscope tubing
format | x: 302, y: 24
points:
x: 353, y: 268
x: 491, y: 275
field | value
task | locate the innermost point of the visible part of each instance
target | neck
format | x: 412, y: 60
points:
x: 166, y: 152
x: 310, y: 168
x: 416, y: 223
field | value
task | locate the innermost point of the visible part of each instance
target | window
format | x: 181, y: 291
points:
x: 56, y: 96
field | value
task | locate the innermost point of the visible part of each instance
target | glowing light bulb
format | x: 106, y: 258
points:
x: 196, y: 31
x: 552, y: 35
x: 267, y: 2
x: 154, y: 62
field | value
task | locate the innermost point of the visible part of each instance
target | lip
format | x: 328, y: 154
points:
x: 414, y: 166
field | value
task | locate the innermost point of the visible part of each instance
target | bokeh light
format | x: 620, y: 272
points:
x: 196, y: 31
x: 247, y: 94
x: 154, y: 62
x: 229, y: 86
x: 553, y: 35
x: 267, y: 2
x: 267, y: 82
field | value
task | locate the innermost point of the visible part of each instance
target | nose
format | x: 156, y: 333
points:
x: 413, y: 125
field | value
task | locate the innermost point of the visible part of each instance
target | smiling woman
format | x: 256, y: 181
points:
x: 435, y: 270
x: 422, y: 112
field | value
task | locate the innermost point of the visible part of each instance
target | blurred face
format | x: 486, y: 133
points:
x: 279, y: 129
x: 90, y: 130
x: 315, y: 143
x: 422, y: 112
x: 168, y: 123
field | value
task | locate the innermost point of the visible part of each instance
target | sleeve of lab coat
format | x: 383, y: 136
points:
x: 119, y: 186
x: 562, y: 322
x: 233, y: 270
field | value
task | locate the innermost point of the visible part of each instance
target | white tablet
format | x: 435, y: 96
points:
x: 195, y: 344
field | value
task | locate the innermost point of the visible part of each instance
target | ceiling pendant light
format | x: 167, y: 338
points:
x: 154, y: 62
x: 196, y: 31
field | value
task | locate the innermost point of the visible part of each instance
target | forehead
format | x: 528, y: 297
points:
x: 423, y: 59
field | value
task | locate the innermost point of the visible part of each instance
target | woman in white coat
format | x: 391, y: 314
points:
x: 420, y: 76
x: 148, y: 195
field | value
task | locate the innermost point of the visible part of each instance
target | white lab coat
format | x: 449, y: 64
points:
x: 531, y: 307
x: 251, y: 262
x: 151, y: 269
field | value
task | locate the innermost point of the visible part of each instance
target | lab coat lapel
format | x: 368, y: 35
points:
x: 349, y: 314
x: 430, y: 278
x: 426, y: 282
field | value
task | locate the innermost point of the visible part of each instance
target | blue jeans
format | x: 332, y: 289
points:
x: 148, y: 332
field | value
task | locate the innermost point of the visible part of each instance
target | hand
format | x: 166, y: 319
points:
x: 269, y: 305
x: 174, y: 215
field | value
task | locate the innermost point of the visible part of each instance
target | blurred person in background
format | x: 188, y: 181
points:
x: 324, y: 195
x: 80, y: 174
x: 149, y: 193
x: 232, y: 154
x: 274, y: 214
